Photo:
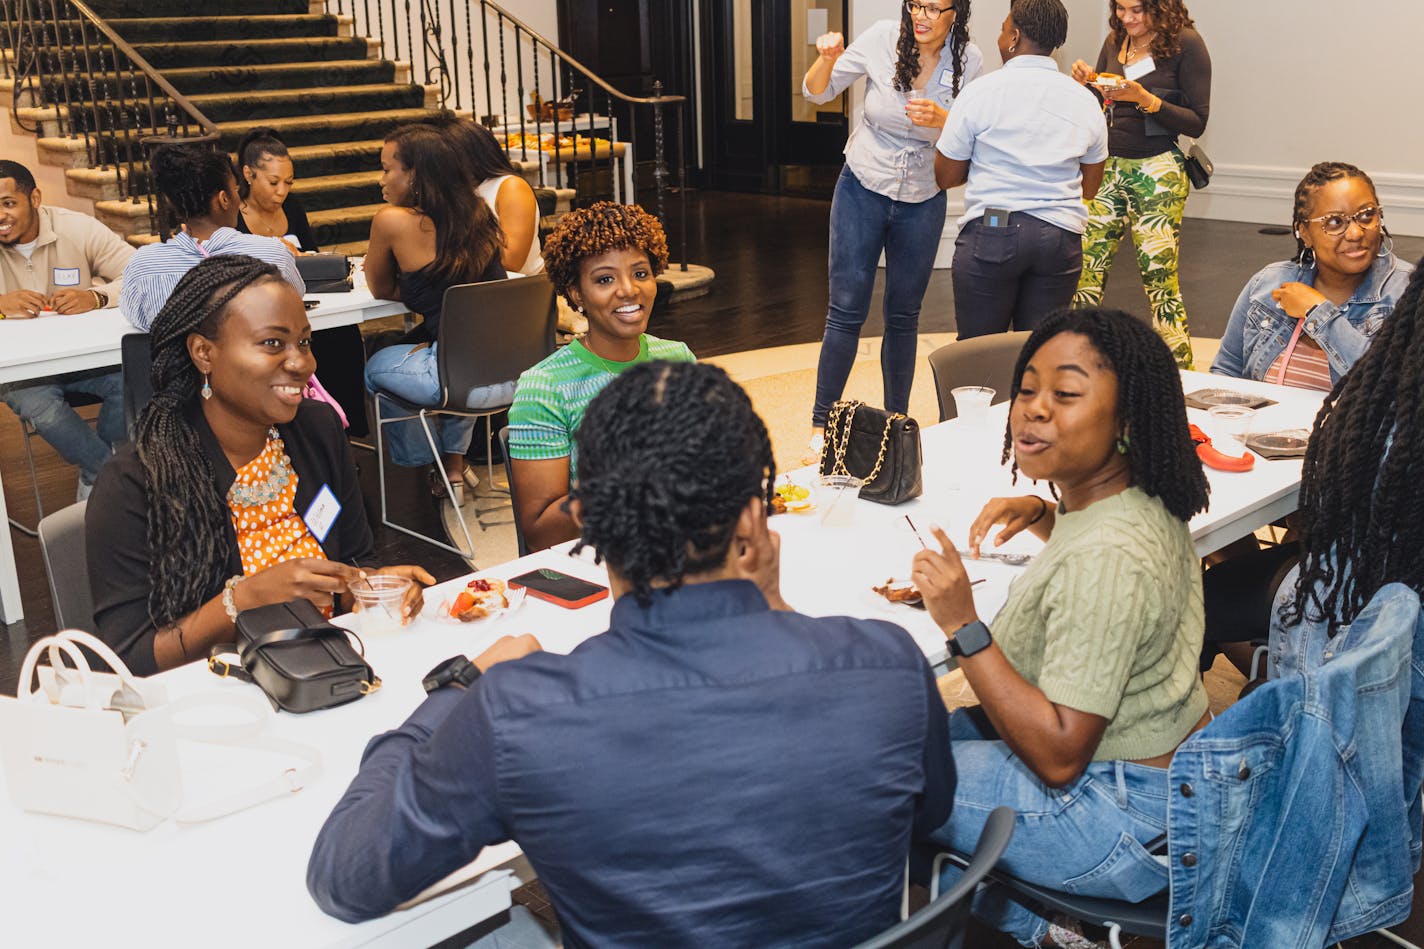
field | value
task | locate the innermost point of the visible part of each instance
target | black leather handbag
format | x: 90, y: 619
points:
x: 325, y: 273
x: 294, y: 655
x: 1199, y: 167
x: 880, y: 448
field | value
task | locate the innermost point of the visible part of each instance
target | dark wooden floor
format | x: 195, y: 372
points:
x: 770, y: 257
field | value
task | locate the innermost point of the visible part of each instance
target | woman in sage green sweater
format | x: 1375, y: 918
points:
x: 1089, y: 681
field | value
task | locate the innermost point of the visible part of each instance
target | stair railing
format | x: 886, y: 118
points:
x: 65, y: 60
x: 518, y: 66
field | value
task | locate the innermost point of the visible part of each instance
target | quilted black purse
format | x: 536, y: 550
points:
x: 301, y: 661
x: 880, y: 448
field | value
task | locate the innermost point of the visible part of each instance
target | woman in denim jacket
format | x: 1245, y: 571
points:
x: 1306, y: 321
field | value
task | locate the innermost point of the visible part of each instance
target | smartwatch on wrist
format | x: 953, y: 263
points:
x: 457, y: 670
x: 967, y: 640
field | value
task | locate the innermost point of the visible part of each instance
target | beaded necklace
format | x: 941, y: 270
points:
x: 256, y: 495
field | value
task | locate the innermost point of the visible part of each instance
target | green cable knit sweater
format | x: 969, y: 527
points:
x: 1108, y: 620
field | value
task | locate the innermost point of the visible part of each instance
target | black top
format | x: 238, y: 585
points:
x: 297, y: 224
x: 116, y: 523
x: 425, y: 295
x: 1182, y: 81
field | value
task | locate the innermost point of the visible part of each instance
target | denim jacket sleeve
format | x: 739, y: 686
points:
x: 1346, y: 331
x: 1231, y: 357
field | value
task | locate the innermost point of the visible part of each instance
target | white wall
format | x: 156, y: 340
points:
x: 1293, y: 82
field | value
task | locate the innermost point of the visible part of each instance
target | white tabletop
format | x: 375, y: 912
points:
x: 182, y: 884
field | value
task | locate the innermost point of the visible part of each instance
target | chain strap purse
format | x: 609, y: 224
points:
x: 880, y: 448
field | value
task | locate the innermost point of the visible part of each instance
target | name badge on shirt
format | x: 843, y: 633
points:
x: 946, y: 78
x: 66, y: 276
x: 1140, y: 68
x: 322, y: 514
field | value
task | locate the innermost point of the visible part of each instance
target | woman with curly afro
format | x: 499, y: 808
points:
x: 604, y: 260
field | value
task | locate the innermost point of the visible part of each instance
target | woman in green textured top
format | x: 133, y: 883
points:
x: 1089, y: 681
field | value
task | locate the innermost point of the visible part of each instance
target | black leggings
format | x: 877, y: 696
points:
x: 1239, y: 594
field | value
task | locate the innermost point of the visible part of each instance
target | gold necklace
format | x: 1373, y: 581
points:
x: 268, y: 226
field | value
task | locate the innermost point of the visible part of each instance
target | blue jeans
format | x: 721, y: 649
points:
x: 413, y: 375
x: 862, y: 224
x: 1084, y: 839
x: 43, y: 406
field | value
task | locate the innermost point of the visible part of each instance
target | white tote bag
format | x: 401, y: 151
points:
x: 104, y: 746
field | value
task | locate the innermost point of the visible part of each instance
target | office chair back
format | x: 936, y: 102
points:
x: 981, y: 361
x: 491, y: 332
x: 940, y: 925
x: 513, y: 495
x: 136, y: 355
x: 63, y: 547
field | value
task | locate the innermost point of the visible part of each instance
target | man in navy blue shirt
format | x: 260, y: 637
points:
x: 716, y: 769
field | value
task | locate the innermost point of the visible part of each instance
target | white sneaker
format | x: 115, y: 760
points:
x: 813, y: 449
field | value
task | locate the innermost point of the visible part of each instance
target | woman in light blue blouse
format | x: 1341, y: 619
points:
x: 886, y: 199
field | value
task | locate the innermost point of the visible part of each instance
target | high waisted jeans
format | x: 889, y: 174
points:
x: 863, y: 224
x: 413, y: 375
x: 1086, y: 838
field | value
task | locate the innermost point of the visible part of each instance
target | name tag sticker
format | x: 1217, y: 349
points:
x: 322, y: 514
x: 66, y: 276
x: 946, y: 78
x: 1140, y: 68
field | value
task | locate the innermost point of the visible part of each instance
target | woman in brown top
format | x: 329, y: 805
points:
x: 1154, y: 76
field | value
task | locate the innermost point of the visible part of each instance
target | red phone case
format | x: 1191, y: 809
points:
x: 593, y: 597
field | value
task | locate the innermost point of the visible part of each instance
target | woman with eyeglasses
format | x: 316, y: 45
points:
x: 1305, y: 321
x: 1154, y: 77
x: 886, y: 199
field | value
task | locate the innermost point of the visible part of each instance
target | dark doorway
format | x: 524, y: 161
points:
x: 759, y: 132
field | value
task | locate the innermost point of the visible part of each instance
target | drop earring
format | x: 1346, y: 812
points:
x: 1122, y: 444
x: 207, y: 390
x: 1307, y: 259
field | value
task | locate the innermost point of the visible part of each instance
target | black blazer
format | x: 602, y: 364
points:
x: 116, y: 523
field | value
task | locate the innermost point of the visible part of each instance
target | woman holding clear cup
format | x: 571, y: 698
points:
x: 886, y: 199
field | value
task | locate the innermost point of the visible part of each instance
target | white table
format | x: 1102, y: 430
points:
x: 203, y: 882
x: 53, y: 345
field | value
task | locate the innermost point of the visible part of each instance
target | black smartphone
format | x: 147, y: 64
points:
x: 311, y: 304
x: 559, y: 588
x: 996, y: 217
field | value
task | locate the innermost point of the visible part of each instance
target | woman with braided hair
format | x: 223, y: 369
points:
x: 200, y: 190
x: 212, y: 509
x: 603, y: 259
x: 1089, y: 681
x: 886, y: 199
x: 1304, y: 322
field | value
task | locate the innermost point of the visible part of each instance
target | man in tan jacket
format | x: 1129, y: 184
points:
x: 54, y: 263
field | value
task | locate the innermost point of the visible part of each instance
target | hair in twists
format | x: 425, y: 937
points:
x: 256, y: 146
x: 1151, y: 408
x: 189, y: 177
x: 907, y: 51
x: 1360, y: 503
x: 668, y: 456
x: 1169, y: 18
x: 467, y: 236
x: 187, y: 519
x: 597, y: 229
x: 1320, y: 175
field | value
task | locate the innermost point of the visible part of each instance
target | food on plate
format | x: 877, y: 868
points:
x: 899, y: 591
x: 1107, y: 80
x: 530, y: 142
x: 791, y: 499
x: 480, y: 597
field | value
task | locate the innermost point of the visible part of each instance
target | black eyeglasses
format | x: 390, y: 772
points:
x: 1336, y: 223
x: 928, y: 12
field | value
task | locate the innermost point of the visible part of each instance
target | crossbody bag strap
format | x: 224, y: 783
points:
x: 219, y: 663
x: 1290, y: 350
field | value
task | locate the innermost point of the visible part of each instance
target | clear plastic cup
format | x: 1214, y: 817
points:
x: 378, y: 602
x: 972, y: 404
x: 1232, y: 421
x: 836, y: 497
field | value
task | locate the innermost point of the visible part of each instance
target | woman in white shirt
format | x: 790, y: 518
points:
x: 509, y: 196
x: 886, y: 199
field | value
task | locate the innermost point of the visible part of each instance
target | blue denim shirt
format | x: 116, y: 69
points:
x: 707, y: 772
x: 1259, y: 330
x: 1285, y: 817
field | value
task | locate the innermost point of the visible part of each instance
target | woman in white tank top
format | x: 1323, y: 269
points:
x: 508, y: 195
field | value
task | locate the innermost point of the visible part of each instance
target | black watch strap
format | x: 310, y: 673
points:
x: 969, y: 639
x: 457, y: 670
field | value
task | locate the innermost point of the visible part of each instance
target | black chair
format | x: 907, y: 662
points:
x: 940, y: 925
x: 136, y: 358
x: 1148, y: 918
x: 513, y: 497
x: 489, y: 333
x: 981, y: 361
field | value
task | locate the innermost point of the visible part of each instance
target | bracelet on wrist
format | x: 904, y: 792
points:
x: 1042, y: 510
x: 229, y: 607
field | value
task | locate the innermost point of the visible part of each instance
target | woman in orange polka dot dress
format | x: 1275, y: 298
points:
x: 236, y: 491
